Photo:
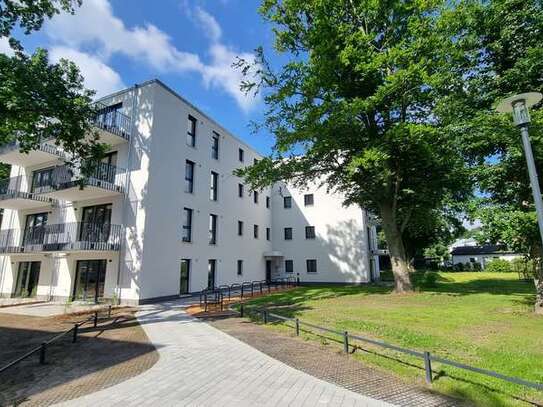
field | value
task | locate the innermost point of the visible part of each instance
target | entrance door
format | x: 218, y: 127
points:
x: 35, y: 228
x: 27, y: 279
x: 107, y: 167
x: 268, y: 270
x: 184, y: 277
x: 95, y: 223
x: 90, y: 277
x: 211, y: 271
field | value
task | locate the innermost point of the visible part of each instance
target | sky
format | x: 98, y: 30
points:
x: 188, y: 44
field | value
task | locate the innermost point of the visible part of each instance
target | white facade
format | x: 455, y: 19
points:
x: 147, y: 209
x: 483, y: 259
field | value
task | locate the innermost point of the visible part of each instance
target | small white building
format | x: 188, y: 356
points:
x: 481, y: 254
x: 163, y: 215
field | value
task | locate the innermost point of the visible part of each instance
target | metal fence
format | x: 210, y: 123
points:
x: 216, y: 296
x: 110, y: 118
x: 19, y: 188
x: 42, y: 349
x: 62, y: 236
x: 348, y: 338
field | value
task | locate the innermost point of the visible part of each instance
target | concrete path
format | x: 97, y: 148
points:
x: 49, y: 309
x: 202, y: 366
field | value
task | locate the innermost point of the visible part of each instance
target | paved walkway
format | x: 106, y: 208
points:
x: 202, y: 366
x: 49, y: 309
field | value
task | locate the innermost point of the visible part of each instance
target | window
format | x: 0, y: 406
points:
x: 308, y: 199
x: 214, y: 186
x: 184, y: 277
x: 240, y: 190
x: 311, y: 265
x: 240, y: 228
x: 289, y: 266
x: 267, y: 202
x: 212, y: 229
x: 287, y: 202
x: 288, y: 233
x: 215, y: 146
x: 211, y: 271
x: 310, y: 232
x: 240, y: 267
x: 255, y: 197
x: 42, y: 178
x: 241, y: 155
x: 255, y: 231
x: 191, y: 131
x: 268, y: 233
x: 187, y: 225
x: 189, y: 176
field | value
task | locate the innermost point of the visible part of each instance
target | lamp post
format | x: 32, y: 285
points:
x: 519, y: 105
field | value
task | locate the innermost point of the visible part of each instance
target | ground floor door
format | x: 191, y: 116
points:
x: 90, y: 277
x: 184, y: 277
x: 28, y: 275
x: 211, y: 273
x: 268, y: 270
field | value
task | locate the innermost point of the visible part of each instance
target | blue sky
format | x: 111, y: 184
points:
x: 188, y: 44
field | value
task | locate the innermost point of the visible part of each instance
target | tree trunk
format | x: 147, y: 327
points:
x: 538, y: 295
x: 396, y: 249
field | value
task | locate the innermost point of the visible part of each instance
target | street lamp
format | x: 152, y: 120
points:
x: 519, y: 105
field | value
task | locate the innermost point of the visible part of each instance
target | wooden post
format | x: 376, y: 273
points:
x: 241, y: 310
x: 95, y: 322
x: 297, y: 327
x: 346, y: 342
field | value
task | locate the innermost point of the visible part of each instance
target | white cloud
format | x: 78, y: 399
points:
x: 98, y: 76
x: 4, y: 46
x: 94, y: 26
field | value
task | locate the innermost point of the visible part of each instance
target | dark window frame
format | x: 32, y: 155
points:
x: 255, y: 231
x: 191, y: 132
x: 187, y: 225
x: 240, y: 228
x: 268, y: 233
x: 240, y: 190
x: 310, y: 232
x: 215, y: 140
x: 287, y: 202
x: 289, y: 264
x: 309, y: 200
x: 288, y: 233
x: 214, y: 186
x: 239, y: 271
x: 189, y: 179
x: 255, y: 197
x: 213, y: 220
x: 241, y: 155
x: 311, y: 266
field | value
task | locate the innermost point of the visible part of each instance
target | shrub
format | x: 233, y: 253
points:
x: 499, y: 266
x: 476, y: 266
x: 429, y: 279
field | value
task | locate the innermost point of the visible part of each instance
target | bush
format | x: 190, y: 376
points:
x: 429, y: 279
x: 499, y: 266
x: 476, y: 266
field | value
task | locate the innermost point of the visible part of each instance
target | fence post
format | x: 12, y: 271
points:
x: 297, y: 327
x: 241, y: 310
x: 109, y: 311
x: 346, y: 342
x: 95, y: 322
x: 265, y: 316
x: 428, y: 367
x: 42, y: 353
x: 74, y: 337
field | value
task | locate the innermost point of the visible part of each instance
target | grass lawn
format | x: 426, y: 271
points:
x: 482, y: 319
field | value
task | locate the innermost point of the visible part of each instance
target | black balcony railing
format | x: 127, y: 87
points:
x: 110, y: 118
x: 16, y: 188
x: 44, y: 147
x: 62, y: 237
x: 104, y: 176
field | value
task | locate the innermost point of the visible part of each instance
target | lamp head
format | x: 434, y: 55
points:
x: 519, y: 105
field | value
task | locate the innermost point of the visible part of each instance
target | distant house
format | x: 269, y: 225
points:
x: 481, y: 254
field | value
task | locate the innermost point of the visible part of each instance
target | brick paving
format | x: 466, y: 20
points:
x: 331, y: 365
x: 101, y: 358
x: 202, y: 366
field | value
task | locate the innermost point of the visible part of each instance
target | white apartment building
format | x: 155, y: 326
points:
x: 163, y: 215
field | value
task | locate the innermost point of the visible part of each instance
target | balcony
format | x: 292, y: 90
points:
x: 113, y: 126
x: 61, y: 237
x: 14, y: 195
x: 11, y: 154
x: 68, y: 184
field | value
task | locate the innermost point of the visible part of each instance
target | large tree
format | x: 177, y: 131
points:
x: 502, y: 40
x: 355, y: 108
x: 40, y: 100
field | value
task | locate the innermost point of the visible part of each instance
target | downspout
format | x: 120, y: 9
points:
x: 122, y: 249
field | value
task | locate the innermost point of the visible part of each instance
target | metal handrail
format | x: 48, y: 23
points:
x: 42, y: 347
x: 426, y: 356
x: 43, y: 146
x: 17, y: 188
x: 61, y: 237
x: 110, y: 118
x: 104, y: 175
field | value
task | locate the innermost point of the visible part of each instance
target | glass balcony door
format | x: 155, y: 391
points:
x: 27, y: 279
x: 90, y: 277
x: 34, y: 232
x: 95, y: 223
